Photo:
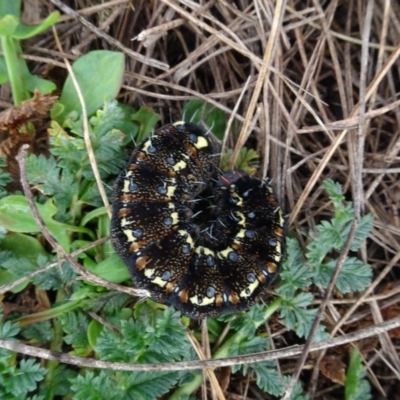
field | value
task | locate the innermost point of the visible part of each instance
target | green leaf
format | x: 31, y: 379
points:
x: 354, y: 275
x: 97, y: 84
x: 54, y: 278
x: 19, y: 242
x: 197, y: 111
x: 33, y: 82
x: 26, y: 32
x: 297, y: 315
x: 8, y: 25
x: 3, y: 71
x: 58, y: 382
x: 91, y: 387
x: 8, y: 330
x: 40, y: 332
x: 94, y: 332
x: 10, y: 7
x: 113, y: 269
x: 53, y: 181
x: 356, y: 387
x: 75, y: 324
x: 248, y: 160
x: 20, y: 381
x: 295, y: 274
x: 107, y: 143
x: 15, y: 215
x: 146, y: 118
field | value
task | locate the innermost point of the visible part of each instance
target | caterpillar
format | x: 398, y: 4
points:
x: 222, y: 268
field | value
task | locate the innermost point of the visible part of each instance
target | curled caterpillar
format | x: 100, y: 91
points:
x: 201, y: 272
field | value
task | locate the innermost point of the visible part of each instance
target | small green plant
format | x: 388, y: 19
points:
x: 67, y: 197
x: 13, y: 68
x: 17, y: 377
x: 316, y: 265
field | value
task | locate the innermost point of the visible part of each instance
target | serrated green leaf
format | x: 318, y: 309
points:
x: 356, y: 388
x: 54, y: 278
x: 75, y: 324
x: 39, y: 333
x: 268, y: 378
x: 8, y: 330
x: 297, y: 315
x: 296, y: 273
x: 24, y: 379
x: 91, y: 387
x: 97, y: 84
x: 354, y: 275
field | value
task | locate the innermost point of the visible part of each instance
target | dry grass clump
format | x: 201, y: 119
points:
x: 311, y: 85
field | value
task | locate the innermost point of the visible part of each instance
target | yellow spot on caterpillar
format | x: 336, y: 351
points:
x: 125, y: 189
x: 146, y: 146
x: 149, y: 272
x: 124, y: 222
x: 240, y: 200
x: 204, y: 250
x: 242, y: 219
x: 241, y: 234
x: 170, y: 191
x: 158, y: 281
x: 248, y: 291
x: 224, y: 253
x: 175, y: 218
x: 189, y: 239
x: 205, y: 301
x: 201, y: 142
x: 129, y: 236
x: 278, y: 249
x: 179, y: 165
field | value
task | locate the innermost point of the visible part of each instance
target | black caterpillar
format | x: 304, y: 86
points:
x: 225, y: 267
